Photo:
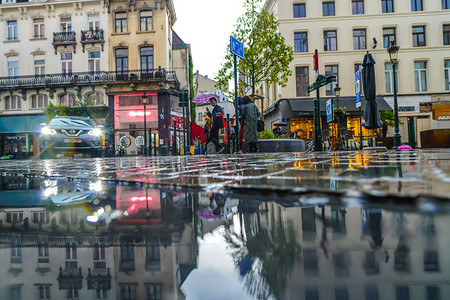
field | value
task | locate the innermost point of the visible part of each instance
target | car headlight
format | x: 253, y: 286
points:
x: 95, y: 132
x: 47, y: 130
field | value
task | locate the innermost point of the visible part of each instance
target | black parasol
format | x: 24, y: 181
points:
x: 372, y: 118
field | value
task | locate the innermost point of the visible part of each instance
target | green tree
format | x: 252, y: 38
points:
x: 387, y: 117
x: 266, y: 55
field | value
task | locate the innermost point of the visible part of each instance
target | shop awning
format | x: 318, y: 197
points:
x: 307, y: 105
x: 21, y: 124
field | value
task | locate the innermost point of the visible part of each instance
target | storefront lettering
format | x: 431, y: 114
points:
x: 406, y: 108
x: 444, y: 118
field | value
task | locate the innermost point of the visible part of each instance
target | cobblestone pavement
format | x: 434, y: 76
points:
x: 401, y: 173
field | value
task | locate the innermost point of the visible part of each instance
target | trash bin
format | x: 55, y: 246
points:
x: 163, y: 150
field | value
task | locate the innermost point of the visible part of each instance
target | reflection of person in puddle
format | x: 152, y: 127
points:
x: 219, y: 200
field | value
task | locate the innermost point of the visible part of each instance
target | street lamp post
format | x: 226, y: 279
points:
x: 337, y: 92
x: 144, y: 101
x: 393, y: 56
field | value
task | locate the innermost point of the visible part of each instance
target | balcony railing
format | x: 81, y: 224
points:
x: 64, y: 38
x: 92, y: 37
x: 86, y: 78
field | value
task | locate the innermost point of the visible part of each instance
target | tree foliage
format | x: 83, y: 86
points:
x: 266, y: 55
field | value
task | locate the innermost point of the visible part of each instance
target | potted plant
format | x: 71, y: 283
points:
x: 340, y: 111
x: 387, y: 117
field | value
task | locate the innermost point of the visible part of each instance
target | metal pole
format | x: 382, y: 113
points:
x: 317, y: 133
x: 338, y: 125
x: 154, y: 145
x: 184, y: 130
x: 360, y: 129
x: 236, y: 104
x: 174, y: 143
x: 145, y: 129
x: 397, y: 136
x: 149, y: 142
x: 228, y: 148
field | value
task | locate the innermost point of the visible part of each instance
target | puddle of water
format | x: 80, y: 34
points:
x: 88, y: 239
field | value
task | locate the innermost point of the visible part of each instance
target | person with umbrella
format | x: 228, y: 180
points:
x: 277, y: 131
x: 216, y: 124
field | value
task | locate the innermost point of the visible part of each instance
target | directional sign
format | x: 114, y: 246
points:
x: 358, y: 100
x: 237, y: 48
x: 329, y: 113
x: 321, y: 81
x: 358, y: 82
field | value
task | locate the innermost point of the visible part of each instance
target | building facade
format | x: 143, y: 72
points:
x: 64, y: 53
x: 343, y: 32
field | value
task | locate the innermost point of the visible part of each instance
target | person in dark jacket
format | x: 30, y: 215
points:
x: 250, y: 114
x: 216, y: 124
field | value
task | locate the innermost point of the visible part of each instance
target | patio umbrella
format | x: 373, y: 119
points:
x: 204, y: 97
x: 372, y: 118
x: 280, y: 124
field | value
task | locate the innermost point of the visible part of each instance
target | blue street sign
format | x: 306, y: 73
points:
x: 329, y: 114
x: 358, y: 100
x: 237, y: 48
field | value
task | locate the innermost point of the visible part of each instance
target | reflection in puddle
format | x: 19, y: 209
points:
x: 73, y: 240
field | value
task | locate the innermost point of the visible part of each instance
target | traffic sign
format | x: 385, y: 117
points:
x: 237, y: 48
x: 358, y: 82
x: 321, y: 81
x: 358, y: 100
x: 329, y: 111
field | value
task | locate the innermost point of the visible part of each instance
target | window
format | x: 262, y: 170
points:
x: 97, y: 98
x: 146, y: 20
x: 71, y: 256
x: 311, y: 293
x: 446, y: 34
x: 388, y: 37
x: 310, y: 262
x: 94, y: 62
x: 431, y: 261
x: 418, y: 36
x: 12, y: 30
x: 120, y: 22
x: 341, y: 293
x: 66, y: 24
x: 41, y: 217
x: 341, y: 262
x: 147, y: 59
x: 39, y: 101
x: 72, y: 294
x: 331, y: 70
x: 357, y: 7
x: 16, y: 254
x: 330, y: 40
x: 44, y: 291
x: 94, y: 22
x: 15, y: 291
x: 328, y: 9
x: 128, y: 292
x: 301, y: 42
x: 299, y: 10
x: 389, y: 77
x: 359, y: 39
x: 67, y: 100
x: 371, y: 292
x: 43, y: 253
x: 13, y: 69
x: 66, y: 63
x: 38, y: 28
x: 154, y: 292
x: 200, y: 116
x: 13, y: 103
x: 302, y: 81
x: 121, y: 63
x: 14, y: 217
x: 432, y: 293
x: 387, y: 6
x: 39, y: 66
x: 99, y: 257
x: 127, y: 255
x: 447, y: 74
x: 401, y: 293
x: 445, y: 4
x: 416, y: 5
x: 152, y: 261
x: 101, y: 294
x: 420, y: 76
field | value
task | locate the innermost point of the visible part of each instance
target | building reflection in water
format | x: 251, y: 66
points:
x: 141, y: 243
x: 53, y: 252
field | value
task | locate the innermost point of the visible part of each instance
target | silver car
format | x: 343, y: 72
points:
x: 70, y: 135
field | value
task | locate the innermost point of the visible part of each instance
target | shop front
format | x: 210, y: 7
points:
x: 19, y: 135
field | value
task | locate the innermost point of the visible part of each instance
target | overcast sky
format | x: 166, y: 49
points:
x: 206, y: 25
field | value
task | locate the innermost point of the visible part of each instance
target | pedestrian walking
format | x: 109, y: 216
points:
x: 216, y: 124
x: 250, y: 115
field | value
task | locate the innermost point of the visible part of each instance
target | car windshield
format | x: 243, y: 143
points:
x: 71, y: 122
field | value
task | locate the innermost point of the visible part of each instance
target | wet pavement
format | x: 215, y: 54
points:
x: 364, y: 225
